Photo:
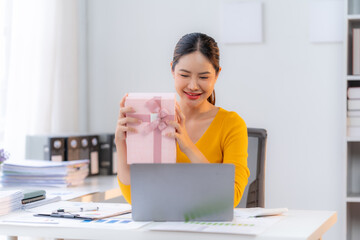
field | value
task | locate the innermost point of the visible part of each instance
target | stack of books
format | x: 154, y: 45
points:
x: 353, y: 114
x: 44, y: 173
x: 10, y: 201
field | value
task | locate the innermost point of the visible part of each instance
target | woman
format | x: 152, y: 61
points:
x: 204, y: 133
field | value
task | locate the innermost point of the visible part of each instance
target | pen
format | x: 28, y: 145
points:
x: 77, y: 209
x: 64, y: 215
x: 79, y: 216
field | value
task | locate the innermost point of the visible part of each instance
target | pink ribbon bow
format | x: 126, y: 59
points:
x: 158, y: 116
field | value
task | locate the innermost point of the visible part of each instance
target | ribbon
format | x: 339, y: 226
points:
x: 158, y: 115
x: 157, y: 122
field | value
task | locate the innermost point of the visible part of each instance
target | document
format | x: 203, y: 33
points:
x: 248, y: 226
x: 44, y: 173
x: 26, y: 218
x: 110, y: 207
x: 105, y: 210
x: 90, y: 215
x: 68, y: 194
x: 10, y: 201
x: 120, y: 222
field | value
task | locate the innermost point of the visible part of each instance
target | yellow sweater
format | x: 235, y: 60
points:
x: 225, y: 141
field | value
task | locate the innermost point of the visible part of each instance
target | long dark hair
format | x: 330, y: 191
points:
x: 193, y: 42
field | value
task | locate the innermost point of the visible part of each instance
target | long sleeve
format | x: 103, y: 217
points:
x: 235, y: 145
x: 125, y: 190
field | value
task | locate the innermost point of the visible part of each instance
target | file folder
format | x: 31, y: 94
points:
x: 108, y: 156
x: 73, y: 148
x: 94, y: 154
x: 84, y: 151
x: 57, y: 149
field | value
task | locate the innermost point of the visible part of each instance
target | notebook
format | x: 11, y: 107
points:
x: 182, y: 192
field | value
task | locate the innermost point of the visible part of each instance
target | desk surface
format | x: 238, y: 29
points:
x: 298, y: 224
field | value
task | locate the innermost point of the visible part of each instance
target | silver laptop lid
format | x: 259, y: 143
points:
x: 182, y: 192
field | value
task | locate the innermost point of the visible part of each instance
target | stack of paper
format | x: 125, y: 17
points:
x: 246, y: 221
x: 353, y: 115
x: 10, y: 201
x: 45, y: 173
x: 248, y: 226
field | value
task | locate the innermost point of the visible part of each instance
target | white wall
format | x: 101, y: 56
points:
x: 286, y: 84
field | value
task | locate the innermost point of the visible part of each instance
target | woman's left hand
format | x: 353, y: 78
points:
x: 180, y: 134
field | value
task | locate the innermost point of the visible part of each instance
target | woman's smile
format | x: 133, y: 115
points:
x: 192, y: 96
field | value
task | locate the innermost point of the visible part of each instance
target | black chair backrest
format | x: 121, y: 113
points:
x: 254, y: 193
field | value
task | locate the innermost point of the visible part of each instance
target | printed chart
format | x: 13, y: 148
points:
x: 250, y: 226
x: 119, y: 222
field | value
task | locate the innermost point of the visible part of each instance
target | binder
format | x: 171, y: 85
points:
x: 73, y: 148
x: 57, y: 149
x: 46, y: 147
x: 108, y: 156
x: 84, y: 151
x: 94, y: 154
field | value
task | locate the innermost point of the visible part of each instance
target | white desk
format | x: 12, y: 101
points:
x: 297, y: 225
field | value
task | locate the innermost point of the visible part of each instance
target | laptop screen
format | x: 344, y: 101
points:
x: 182, y: 192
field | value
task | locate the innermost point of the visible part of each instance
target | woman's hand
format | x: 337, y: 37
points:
x: 183, y: 139
x: 121, y: 127
x: 123, y: 169
x: 181, y: 135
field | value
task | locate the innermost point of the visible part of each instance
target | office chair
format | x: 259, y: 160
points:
x: 254, y: 193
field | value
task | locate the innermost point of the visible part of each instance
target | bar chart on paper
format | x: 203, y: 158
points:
x: 250, y: 226
x: 119, y: 222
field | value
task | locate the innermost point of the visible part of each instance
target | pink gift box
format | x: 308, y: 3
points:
x: 149, y: 144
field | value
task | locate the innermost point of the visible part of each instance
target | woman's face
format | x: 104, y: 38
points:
x: 195, y: 78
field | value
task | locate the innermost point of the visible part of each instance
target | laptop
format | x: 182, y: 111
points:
x: 182, y: 192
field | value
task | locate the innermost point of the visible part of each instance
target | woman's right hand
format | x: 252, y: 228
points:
x: 121, y: 127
